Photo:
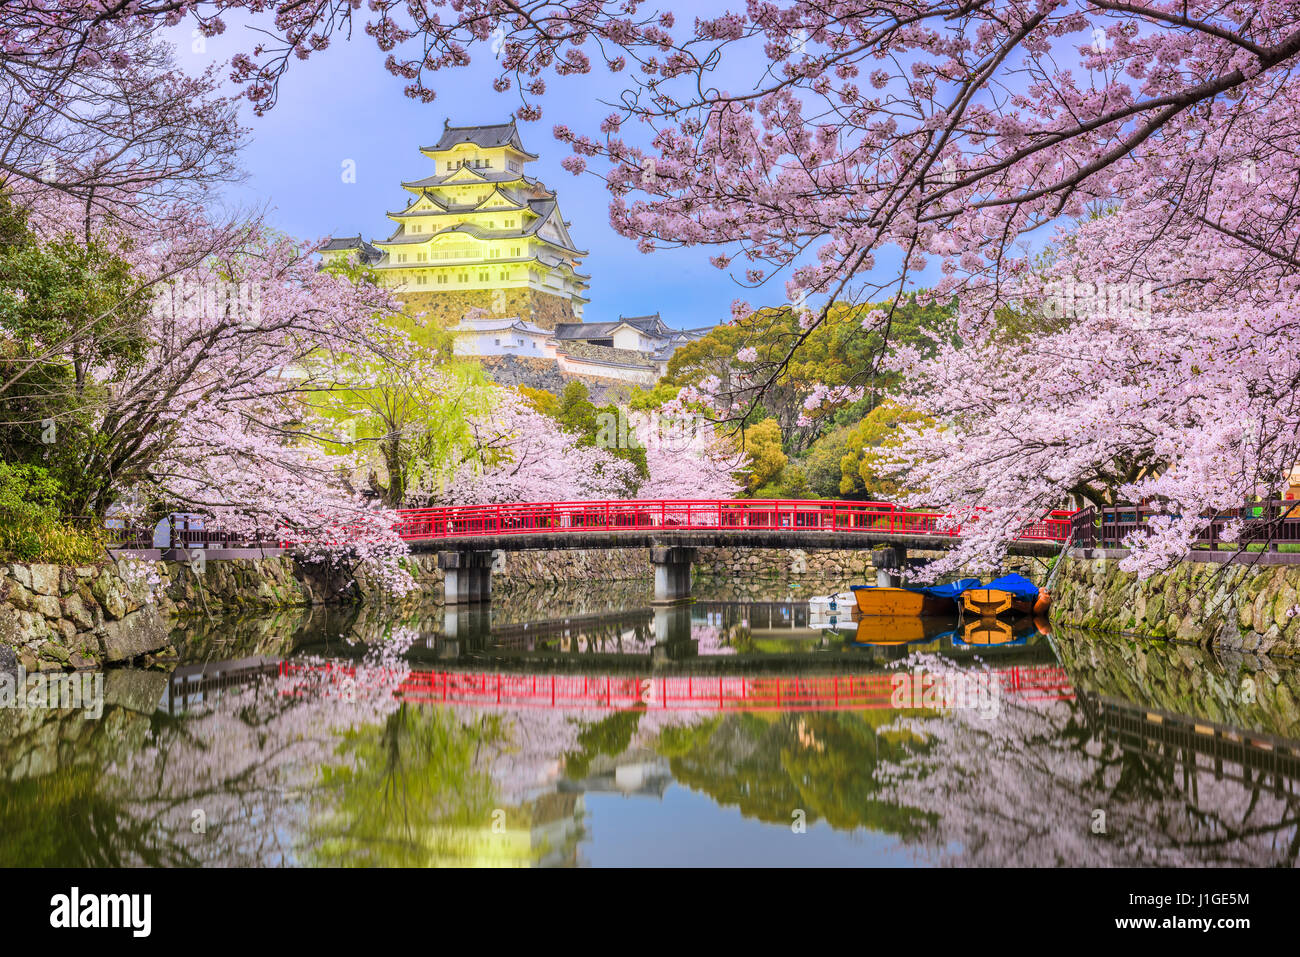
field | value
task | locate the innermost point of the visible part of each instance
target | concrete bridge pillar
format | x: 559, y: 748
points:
x: 466, y: 576
x: 672, y: 573
x: 889, y: 562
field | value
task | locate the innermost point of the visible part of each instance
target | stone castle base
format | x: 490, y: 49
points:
x: 448, y: 308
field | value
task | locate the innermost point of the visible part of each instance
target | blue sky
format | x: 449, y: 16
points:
x: 343, y: 105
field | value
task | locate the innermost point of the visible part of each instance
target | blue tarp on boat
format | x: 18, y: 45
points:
x: 950, y: 590
x: 1019, y: 586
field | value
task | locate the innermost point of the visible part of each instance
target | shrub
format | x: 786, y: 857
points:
x: 31, y: 525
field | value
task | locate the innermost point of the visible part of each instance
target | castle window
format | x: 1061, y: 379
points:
x: 442, y: 279
x: 514, y: 167
x: 463, y: 277
x: 496, y: 342
x: 483, y: 275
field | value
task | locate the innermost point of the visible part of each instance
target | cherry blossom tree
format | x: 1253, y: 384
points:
x: 94, y: 106
x: 1149, y: 373
x: 686, y: 457
x: 525, y: 456
x: 938, y: 128
x: 208, y: 414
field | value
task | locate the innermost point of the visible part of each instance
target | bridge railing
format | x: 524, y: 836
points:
x: 667, y: 693
x: 1264, y: 523
x: 701, y: 514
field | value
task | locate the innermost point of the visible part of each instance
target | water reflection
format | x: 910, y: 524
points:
x: 589, y: 726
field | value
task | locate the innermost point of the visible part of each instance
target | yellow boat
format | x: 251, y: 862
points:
x: 874, y: 601
x: 1010, y: 593
x: 988, y: 602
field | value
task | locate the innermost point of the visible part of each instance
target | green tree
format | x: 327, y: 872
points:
x: 68, y: 306
x: 864, y: 467
x: 776, y: 381
x: 762, y: 444
x: 404, y: 414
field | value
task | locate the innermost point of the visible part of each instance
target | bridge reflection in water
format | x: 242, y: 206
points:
x: 1255, y: 758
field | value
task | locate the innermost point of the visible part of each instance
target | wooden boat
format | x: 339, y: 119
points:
x: 990, y: 602
x: 1008, y: 594
x: 987, y: 632
x: 876, y: 600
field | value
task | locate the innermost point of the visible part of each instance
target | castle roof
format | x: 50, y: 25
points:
x: 486, y: 175
x: 542, y: 208
x: 578, y: 331
x: 368, y: 253
x: 495, y: 325
x: 651, y: 324
x: 492, y: 136
x: 445, y: 208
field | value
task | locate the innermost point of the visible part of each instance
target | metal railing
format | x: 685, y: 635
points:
x: 559, y: 518
x: 120, y: 535
x: 1269, y: 523
x: 563, y: 518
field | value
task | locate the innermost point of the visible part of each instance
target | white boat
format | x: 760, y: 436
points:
x: 840, y: 602
x: 831, y: 611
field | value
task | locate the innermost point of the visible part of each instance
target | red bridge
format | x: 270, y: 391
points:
x: 467, y: 535
x: 737, y: 516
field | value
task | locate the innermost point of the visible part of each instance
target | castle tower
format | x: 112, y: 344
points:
x: 478, y: 233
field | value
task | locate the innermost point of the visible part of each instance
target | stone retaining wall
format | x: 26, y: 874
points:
x: 1232, y: 606
x: 847, y: 566
x: 57, y: 617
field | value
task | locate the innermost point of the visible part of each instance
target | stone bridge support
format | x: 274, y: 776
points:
x: 889, y: 562
x: 466, y: 576
x: 672, y: 573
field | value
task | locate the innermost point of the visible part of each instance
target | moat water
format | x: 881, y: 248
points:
x: 582, y: 726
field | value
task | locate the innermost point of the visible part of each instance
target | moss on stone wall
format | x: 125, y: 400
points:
x: 1231, y: 605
